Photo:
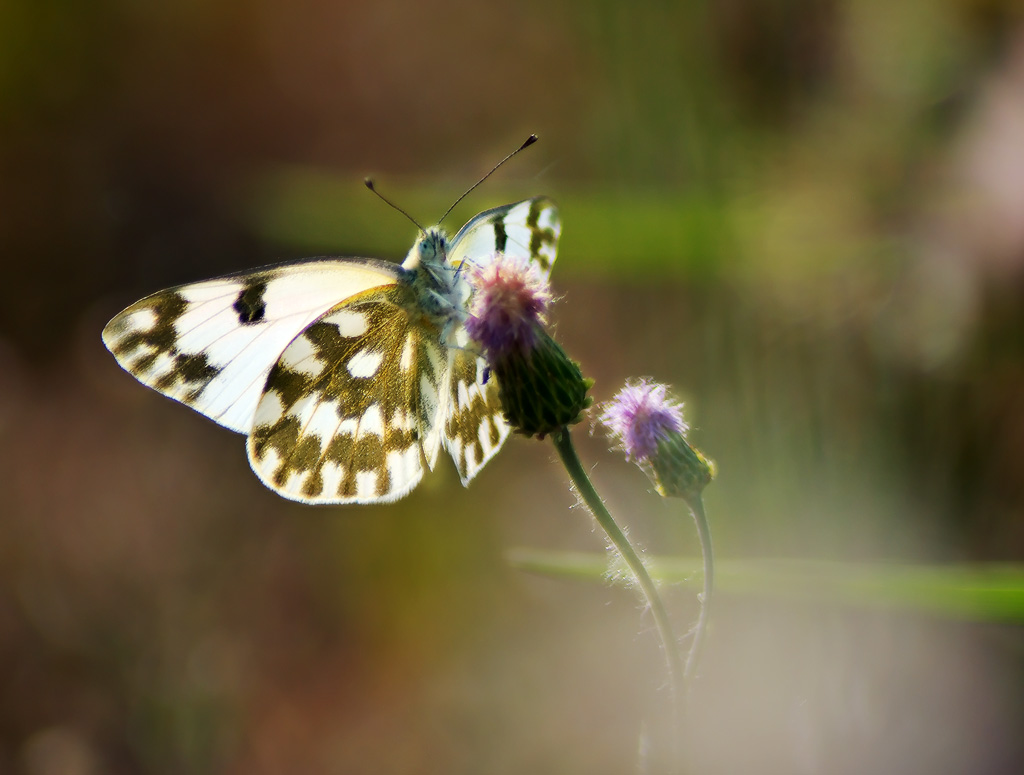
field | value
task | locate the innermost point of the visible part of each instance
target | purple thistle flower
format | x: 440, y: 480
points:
x: 509, y: 306
x: 540, y: 388
x: 640, y: 416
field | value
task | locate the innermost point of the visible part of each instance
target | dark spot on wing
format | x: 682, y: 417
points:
x: 161, y: 337
x: 250, y: 305
x: 539, y: 237
x: 500, y: 235
x: 190, y: 369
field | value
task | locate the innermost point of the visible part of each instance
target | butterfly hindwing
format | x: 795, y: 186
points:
x: 474, y: 428
x: 351, y: 410
x: 211, y: 344
x: 530, y: 229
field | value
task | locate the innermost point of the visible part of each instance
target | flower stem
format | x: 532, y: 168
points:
x: 571, y: 461
x: 696, y: 504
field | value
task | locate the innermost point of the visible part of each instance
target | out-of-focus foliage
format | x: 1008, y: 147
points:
x: 973, y: 592
x: 808, y: 217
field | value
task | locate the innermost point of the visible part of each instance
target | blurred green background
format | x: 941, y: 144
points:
x: 806, y: 216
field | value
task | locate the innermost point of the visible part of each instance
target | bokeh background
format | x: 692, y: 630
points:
x: 806, y: 216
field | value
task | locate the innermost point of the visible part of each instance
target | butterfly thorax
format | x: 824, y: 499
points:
x: 439, y: 288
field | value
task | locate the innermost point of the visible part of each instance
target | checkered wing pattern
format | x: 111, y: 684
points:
x: 351, y: 411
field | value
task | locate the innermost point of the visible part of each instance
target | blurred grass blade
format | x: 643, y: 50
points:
x: 633, y: 236
x: 982, y: 592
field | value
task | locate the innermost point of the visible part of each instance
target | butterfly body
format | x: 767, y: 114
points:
x: 439, y: 290
x: 348, y: 375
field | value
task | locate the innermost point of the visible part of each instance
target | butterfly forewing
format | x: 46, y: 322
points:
x: 351, y: 410
x: 530, y: 229
x: 211, y: 344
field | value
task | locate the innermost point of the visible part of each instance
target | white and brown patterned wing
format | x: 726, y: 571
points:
x: 351, y: 411
x: 210, y: 345
x: 474, y: 427
x: 530, y: 229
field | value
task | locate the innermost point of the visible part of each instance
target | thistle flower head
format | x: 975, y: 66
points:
x: 639, y: 416
x: 540, y: 388
x: 509, y: 305
x: 648, y: 426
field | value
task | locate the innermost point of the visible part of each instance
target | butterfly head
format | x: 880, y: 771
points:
x: 430, y: 250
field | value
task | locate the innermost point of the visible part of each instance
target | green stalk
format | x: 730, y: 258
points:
x: 696, y: 504
x: 585, y: 488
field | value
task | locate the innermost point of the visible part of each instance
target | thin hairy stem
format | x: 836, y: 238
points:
x: 696, y: 505
x: 585, y: 488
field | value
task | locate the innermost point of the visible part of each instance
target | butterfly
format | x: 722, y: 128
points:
x: 347, y: 375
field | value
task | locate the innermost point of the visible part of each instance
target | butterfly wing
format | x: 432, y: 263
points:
x: 475, y: 427
x: 211, y: 345
x: 530, y: 228
x: 351, y: 411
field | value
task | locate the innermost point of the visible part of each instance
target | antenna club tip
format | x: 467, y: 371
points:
x: 368, y: 182
x: 529, y: 141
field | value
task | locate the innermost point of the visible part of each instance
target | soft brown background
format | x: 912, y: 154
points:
x: 807, y: 216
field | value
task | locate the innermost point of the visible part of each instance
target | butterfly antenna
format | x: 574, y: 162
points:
x: 368, y: 182
x: 529, y: 141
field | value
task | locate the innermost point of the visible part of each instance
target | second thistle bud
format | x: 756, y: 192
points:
x: 542, y: 390
x: 649, y: 428
x: 679, y: 470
